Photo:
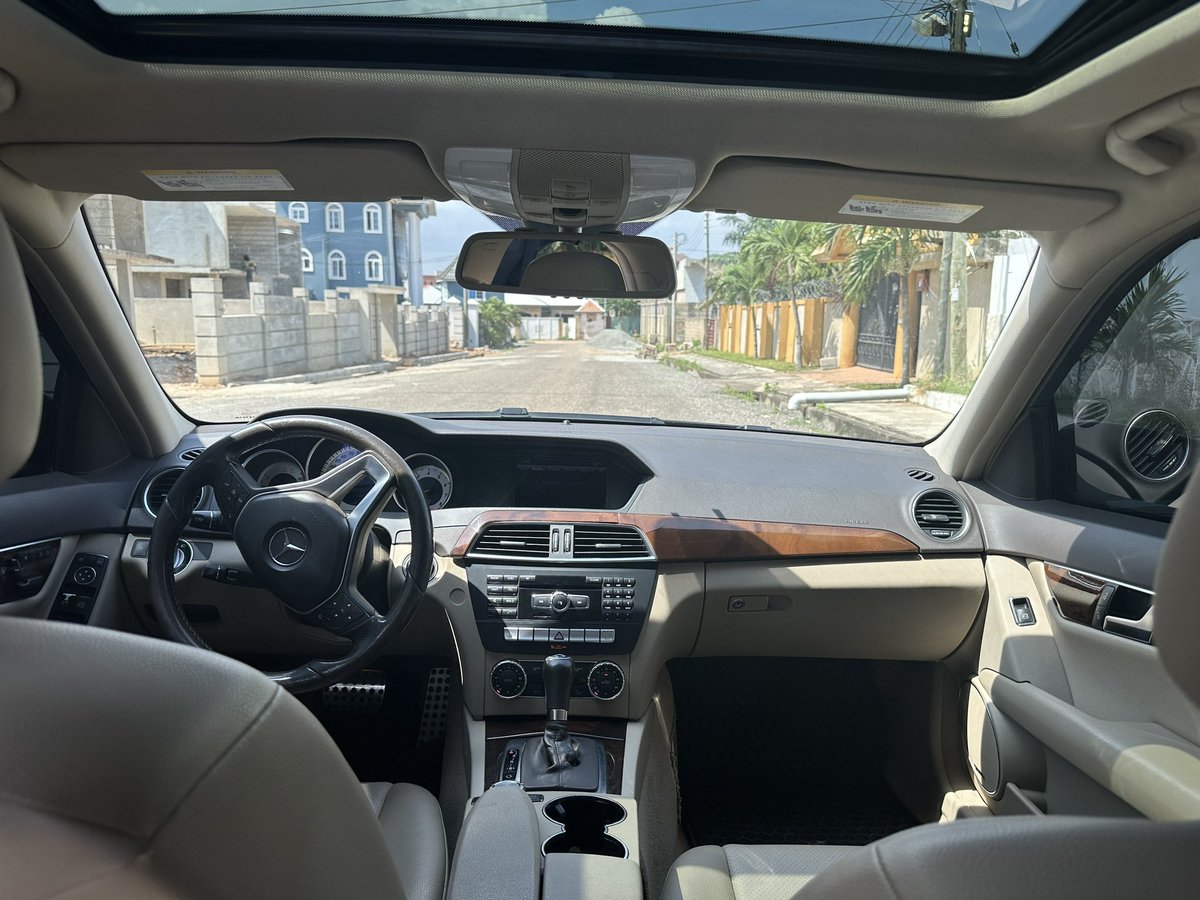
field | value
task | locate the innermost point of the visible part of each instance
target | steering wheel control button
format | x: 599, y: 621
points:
x: 606, y: 680
x: 84, y: 575
x: 288, y: 546
x: 339, y: 614
x: 509, y: 679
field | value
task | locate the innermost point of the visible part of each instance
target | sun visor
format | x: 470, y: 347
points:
x: 299, y: 170
x: 820, y: 192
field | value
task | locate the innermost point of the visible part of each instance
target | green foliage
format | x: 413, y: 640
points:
x: 496, y: 322
x: 621, y: 306
x: 880, y: 252
x: 682, y: 364
x: 776, y: 364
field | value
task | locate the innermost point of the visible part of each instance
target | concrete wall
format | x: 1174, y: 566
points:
x: 159, y: 321
x: 270, y: 336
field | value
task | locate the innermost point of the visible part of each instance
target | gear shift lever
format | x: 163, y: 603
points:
x: 558, y: 673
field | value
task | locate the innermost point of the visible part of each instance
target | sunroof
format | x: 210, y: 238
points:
x: 996, y: 28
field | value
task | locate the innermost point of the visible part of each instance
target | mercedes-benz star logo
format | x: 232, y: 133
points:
x: 287, y: 546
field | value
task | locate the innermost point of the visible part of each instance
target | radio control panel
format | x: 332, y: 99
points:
x: 568, y: 609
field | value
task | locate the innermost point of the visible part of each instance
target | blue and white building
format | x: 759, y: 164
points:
x: 345, y: 245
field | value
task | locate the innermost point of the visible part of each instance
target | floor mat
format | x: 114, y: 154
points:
x: 400, y: 739
x: 782, y: 751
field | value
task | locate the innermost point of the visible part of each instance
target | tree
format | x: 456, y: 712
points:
x: 1145, y: 331
x: 880, y: 252
x: 496, y: 322
x: 782, y: 250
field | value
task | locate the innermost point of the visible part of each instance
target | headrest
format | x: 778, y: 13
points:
x: 581, y: 271
x: 20, y: 362
x: 1177, y: 595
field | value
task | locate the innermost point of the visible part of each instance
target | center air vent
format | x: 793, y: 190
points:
x: 609, y: 542
x: 920, y: 474
x: 524, y: 540
x: 158, y: 488
x: 940, y: 515
x: 1156, y: 445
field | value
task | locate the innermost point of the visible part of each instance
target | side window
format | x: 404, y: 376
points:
x: 1128, y: 410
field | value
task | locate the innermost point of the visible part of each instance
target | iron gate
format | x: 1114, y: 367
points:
x: 877, y: 325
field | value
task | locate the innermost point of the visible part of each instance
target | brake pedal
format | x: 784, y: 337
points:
x: 362, y: 694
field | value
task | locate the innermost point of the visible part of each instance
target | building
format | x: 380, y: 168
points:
x: 361, y: 244
x: 152, y: 250
x: 680, y: 318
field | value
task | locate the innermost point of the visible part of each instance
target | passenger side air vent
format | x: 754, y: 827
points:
x: 609, y: 542
x: 1156, y: 445
x: 1090, y: 413
x: 940, y: 515
x: 158, y: 488
x: 191, y: 453
x: 920, y: 474
x: 523, y: 540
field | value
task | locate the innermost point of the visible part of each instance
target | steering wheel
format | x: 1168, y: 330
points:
x: 305, y: 542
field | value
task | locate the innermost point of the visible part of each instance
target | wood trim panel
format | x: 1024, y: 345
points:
x: 1077, y: 594
x: 696, y: 539
x: 610, y: 733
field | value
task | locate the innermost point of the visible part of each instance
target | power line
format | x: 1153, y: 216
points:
x: 656, y: 12
x: 824, y: 24
x: 1012, y: 45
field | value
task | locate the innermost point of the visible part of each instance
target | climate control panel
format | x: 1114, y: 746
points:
x: 512, y: 678
x: 540, y: 610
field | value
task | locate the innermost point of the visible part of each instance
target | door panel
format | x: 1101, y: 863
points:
x: 1090, y: 719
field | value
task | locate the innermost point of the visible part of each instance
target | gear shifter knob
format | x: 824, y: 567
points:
x: 558, y: 673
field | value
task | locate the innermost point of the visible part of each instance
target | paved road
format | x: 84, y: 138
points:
x: 553, y: 377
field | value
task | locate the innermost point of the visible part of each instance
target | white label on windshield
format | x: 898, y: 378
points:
x: 218, y: 179
x: 913, y: 210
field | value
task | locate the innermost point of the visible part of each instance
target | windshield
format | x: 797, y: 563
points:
x: 243, y: 308
x: 986, y: 27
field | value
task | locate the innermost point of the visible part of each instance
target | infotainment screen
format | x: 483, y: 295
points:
x: 551, y: 485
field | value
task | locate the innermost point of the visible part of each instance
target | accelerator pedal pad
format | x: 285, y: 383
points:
x: 436, y: 706
x: 361, y: 694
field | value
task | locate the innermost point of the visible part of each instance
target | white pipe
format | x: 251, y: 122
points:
x: 808, y: 397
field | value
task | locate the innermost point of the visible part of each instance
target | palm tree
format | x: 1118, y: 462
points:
x: 738, y: 281
x: 880, y: 252
x: 783, y: 251
x: 1146, y: 329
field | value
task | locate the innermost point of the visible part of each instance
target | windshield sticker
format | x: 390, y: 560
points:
x: 218, y: 179
x: 915, y: 210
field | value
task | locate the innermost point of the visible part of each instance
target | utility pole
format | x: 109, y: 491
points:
x: 960, y: 26
x: 675, y: 293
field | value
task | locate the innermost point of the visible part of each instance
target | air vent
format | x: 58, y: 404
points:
x: 1156, y: 445
x: 526, y: 541
x: 191, y: 453
x: 1090, y: 413
x: 158, y: 488
x: 920, y: 474
x: 609, y: 542
x: 940, y: 515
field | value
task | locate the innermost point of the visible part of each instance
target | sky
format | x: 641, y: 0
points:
x: 1027, y: 22
x: 442, y: 235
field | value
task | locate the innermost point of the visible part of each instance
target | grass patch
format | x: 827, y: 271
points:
x: 683, y: 365
x: 949, y: 384
x: 741, y: 395
x: 777, y: 365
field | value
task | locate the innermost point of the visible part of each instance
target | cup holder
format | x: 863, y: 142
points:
x: 584, y: 812
x: 584, y: 820
x: 597, y: 843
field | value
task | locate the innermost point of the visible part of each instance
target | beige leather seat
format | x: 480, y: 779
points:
x: 136, y: 768
x: 1002, y: 858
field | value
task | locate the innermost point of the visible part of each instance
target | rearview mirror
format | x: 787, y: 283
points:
x: 567, y: 265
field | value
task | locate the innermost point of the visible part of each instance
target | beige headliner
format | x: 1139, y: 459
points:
x: 67, y: 92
